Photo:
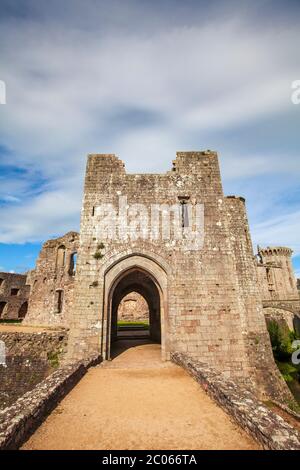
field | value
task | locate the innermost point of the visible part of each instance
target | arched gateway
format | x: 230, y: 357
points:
x: 141, y: 274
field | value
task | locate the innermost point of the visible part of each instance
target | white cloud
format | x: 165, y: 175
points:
x: 281, y: 230
x: 63, y: 89
x: 68, y: 78
x: 51, y: 214
x: 9, y: 198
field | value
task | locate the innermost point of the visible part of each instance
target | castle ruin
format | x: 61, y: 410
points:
x: 176, y: 240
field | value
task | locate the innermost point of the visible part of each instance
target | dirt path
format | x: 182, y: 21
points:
x: 138, y: 402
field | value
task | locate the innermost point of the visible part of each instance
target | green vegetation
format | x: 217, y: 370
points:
x: 98, y: 254
x: 287, y: 370
x: 294, y: 406
x: 281, y: 340
x: 133, y: 323
x: 53, y: 359
x: 291, y: 405
x: 10, y: 321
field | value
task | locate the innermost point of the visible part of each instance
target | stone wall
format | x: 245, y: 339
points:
x: 269, y: 429
x: 30, y: 357
x: 52, y: 282
x: 14, y: 295
x: 18, y: 421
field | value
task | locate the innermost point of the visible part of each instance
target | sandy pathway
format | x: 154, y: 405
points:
x: 138, y: 402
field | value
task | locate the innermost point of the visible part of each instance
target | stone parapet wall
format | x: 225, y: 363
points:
x: 269, y: 429
x: 20, y: 420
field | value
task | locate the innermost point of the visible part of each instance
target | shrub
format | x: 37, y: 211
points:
x: 281, y: 340
x: 286, y: 370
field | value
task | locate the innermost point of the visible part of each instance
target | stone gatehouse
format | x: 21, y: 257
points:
x: 185, y: 247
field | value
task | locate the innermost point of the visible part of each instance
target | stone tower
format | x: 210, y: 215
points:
x: 178, y: 241
x: 276, y: 275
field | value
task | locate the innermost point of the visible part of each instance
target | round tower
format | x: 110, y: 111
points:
x: 279, y: 271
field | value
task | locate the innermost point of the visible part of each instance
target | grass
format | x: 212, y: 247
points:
x: 133, y: 323
x: 10, y: 320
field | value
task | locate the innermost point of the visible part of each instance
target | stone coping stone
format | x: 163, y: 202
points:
x: 265, y: 426
x: 21, y: 419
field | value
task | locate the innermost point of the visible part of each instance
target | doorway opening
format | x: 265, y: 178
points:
x: 135, y: 311
x: 3, y: 308
x: 23, y: 310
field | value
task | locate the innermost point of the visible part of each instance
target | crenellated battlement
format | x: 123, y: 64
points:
x: 275, y: 251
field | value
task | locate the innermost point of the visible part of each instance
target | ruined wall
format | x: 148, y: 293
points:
x: 210, y: 301
x: 30, y: 357
x: 52, y: 282
x: 14, y: 295
x: 133, y: 307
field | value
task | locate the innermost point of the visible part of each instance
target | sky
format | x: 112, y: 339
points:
x: 143, y: 80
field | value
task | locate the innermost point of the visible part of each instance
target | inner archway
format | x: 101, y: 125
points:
x: 130, y: 284
x: 133, y: 316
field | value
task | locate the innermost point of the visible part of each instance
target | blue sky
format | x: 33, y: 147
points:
x: 144, y: 79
